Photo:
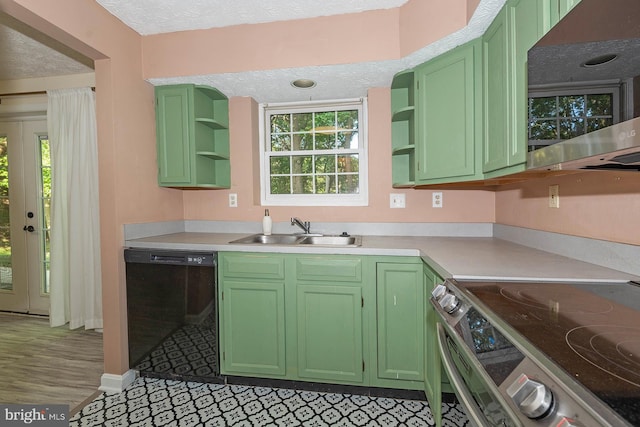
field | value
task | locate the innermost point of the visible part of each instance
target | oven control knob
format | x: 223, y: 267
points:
x: 449, y: 303
x: 438, y: 292
x: 534, y: 399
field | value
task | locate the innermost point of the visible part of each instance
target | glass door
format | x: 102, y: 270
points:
x: 25, y: 194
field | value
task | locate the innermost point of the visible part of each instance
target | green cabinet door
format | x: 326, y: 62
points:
x: 433, y: 367
x: 253, y: 327
x: 173, y: 134
x: 517, y: 27
x: 495, y: 94
x: 449, y: 112
x: 329, y: 322
x: 400, y: 310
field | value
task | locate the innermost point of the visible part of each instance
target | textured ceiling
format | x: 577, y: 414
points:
x: 28, y: 54
x: 166, y: 16
x: 32, y: 55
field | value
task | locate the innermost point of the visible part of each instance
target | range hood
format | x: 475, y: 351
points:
x: 594, y: 29
x: 616, y: 147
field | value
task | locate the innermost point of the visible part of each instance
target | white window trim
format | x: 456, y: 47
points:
x: 360, y: 199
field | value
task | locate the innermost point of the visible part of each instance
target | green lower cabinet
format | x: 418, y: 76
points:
x: 400, y: 315
x: 329, y: 324
x: 253, y: 328
x: 435, y: 380
x: 341, y: 319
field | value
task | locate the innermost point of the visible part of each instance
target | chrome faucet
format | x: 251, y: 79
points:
x: 306, y: 226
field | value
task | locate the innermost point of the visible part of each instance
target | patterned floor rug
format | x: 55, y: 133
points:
x: 157, y: 402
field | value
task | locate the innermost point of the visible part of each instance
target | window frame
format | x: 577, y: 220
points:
x: 359, y: 199
x: 579, y: 88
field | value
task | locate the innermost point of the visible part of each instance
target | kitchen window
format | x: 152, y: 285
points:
x: 314, y: 153
x: 557, y: 115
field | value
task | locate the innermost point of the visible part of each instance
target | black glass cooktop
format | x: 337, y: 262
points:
x: 592, y: 331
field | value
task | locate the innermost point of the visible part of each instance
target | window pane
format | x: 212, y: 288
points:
x: 599, y: 105
x: 302, y: 184
x: 595, y: 124
x: 280, y: 185
x: 347, y: 184
x: 280, y: 165
x: 326, y: 120
x: 302, y: 164
x: 325, y: 164
x: 325, y: 141
x: 571, y: 128
x: 280, y: 143
x: 325, y: 184
x: 542, y: 107
x: 280, y: 123
x: 348, y: 119
x: 302, y: 122
x: 303, y: 141
x: 543, y: 129
x: 571, y: 106
x: 347, y: 140
x: 348, y: 163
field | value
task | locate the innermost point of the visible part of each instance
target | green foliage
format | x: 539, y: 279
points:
x: 567, y: 116
x: 320, y: 171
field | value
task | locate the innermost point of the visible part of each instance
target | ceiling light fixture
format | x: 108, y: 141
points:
x: 599, y: 60
x: 303, y: 83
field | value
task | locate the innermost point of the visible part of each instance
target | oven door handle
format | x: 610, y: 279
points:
x: 466, y: 399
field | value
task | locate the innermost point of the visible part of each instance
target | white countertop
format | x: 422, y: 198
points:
x: 463, y: 258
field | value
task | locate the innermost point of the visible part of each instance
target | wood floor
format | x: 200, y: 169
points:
x: 44, y: 365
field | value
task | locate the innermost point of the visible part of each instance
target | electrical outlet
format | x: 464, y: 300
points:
x: 436, y: 199
x: 233, y: 200
x: 554, y: 196
x: 397, y: 200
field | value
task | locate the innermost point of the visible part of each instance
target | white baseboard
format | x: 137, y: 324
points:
x: 111, y: 383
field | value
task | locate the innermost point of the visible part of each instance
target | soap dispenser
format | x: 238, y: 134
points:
x: 266, y: 223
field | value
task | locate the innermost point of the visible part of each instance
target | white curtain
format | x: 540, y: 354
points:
x: 76, y: 287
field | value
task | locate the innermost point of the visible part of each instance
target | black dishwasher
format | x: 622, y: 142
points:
x: 172, y: 314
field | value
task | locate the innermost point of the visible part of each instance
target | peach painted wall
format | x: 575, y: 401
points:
x: 126, y: 141
x: 213, y: 205
x: 373, y: 36
x: 424, y: 22
x: 598, y: 204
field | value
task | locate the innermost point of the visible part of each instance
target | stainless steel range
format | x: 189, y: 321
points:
x: 542, y: 354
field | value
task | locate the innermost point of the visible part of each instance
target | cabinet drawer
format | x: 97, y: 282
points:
x: 329, y: 269
x: 252, y: 266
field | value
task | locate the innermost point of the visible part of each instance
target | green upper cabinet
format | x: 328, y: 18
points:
x: 192, y: 132
x: 563, y: 7
x: 403, y: 129
x: 518, y: 26
x: 449, y: 116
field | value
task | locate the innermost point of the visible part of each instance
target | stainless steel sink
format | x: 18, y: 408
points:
x: 272, y: 239
x: 299, y: 239
x: 331, y: 240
